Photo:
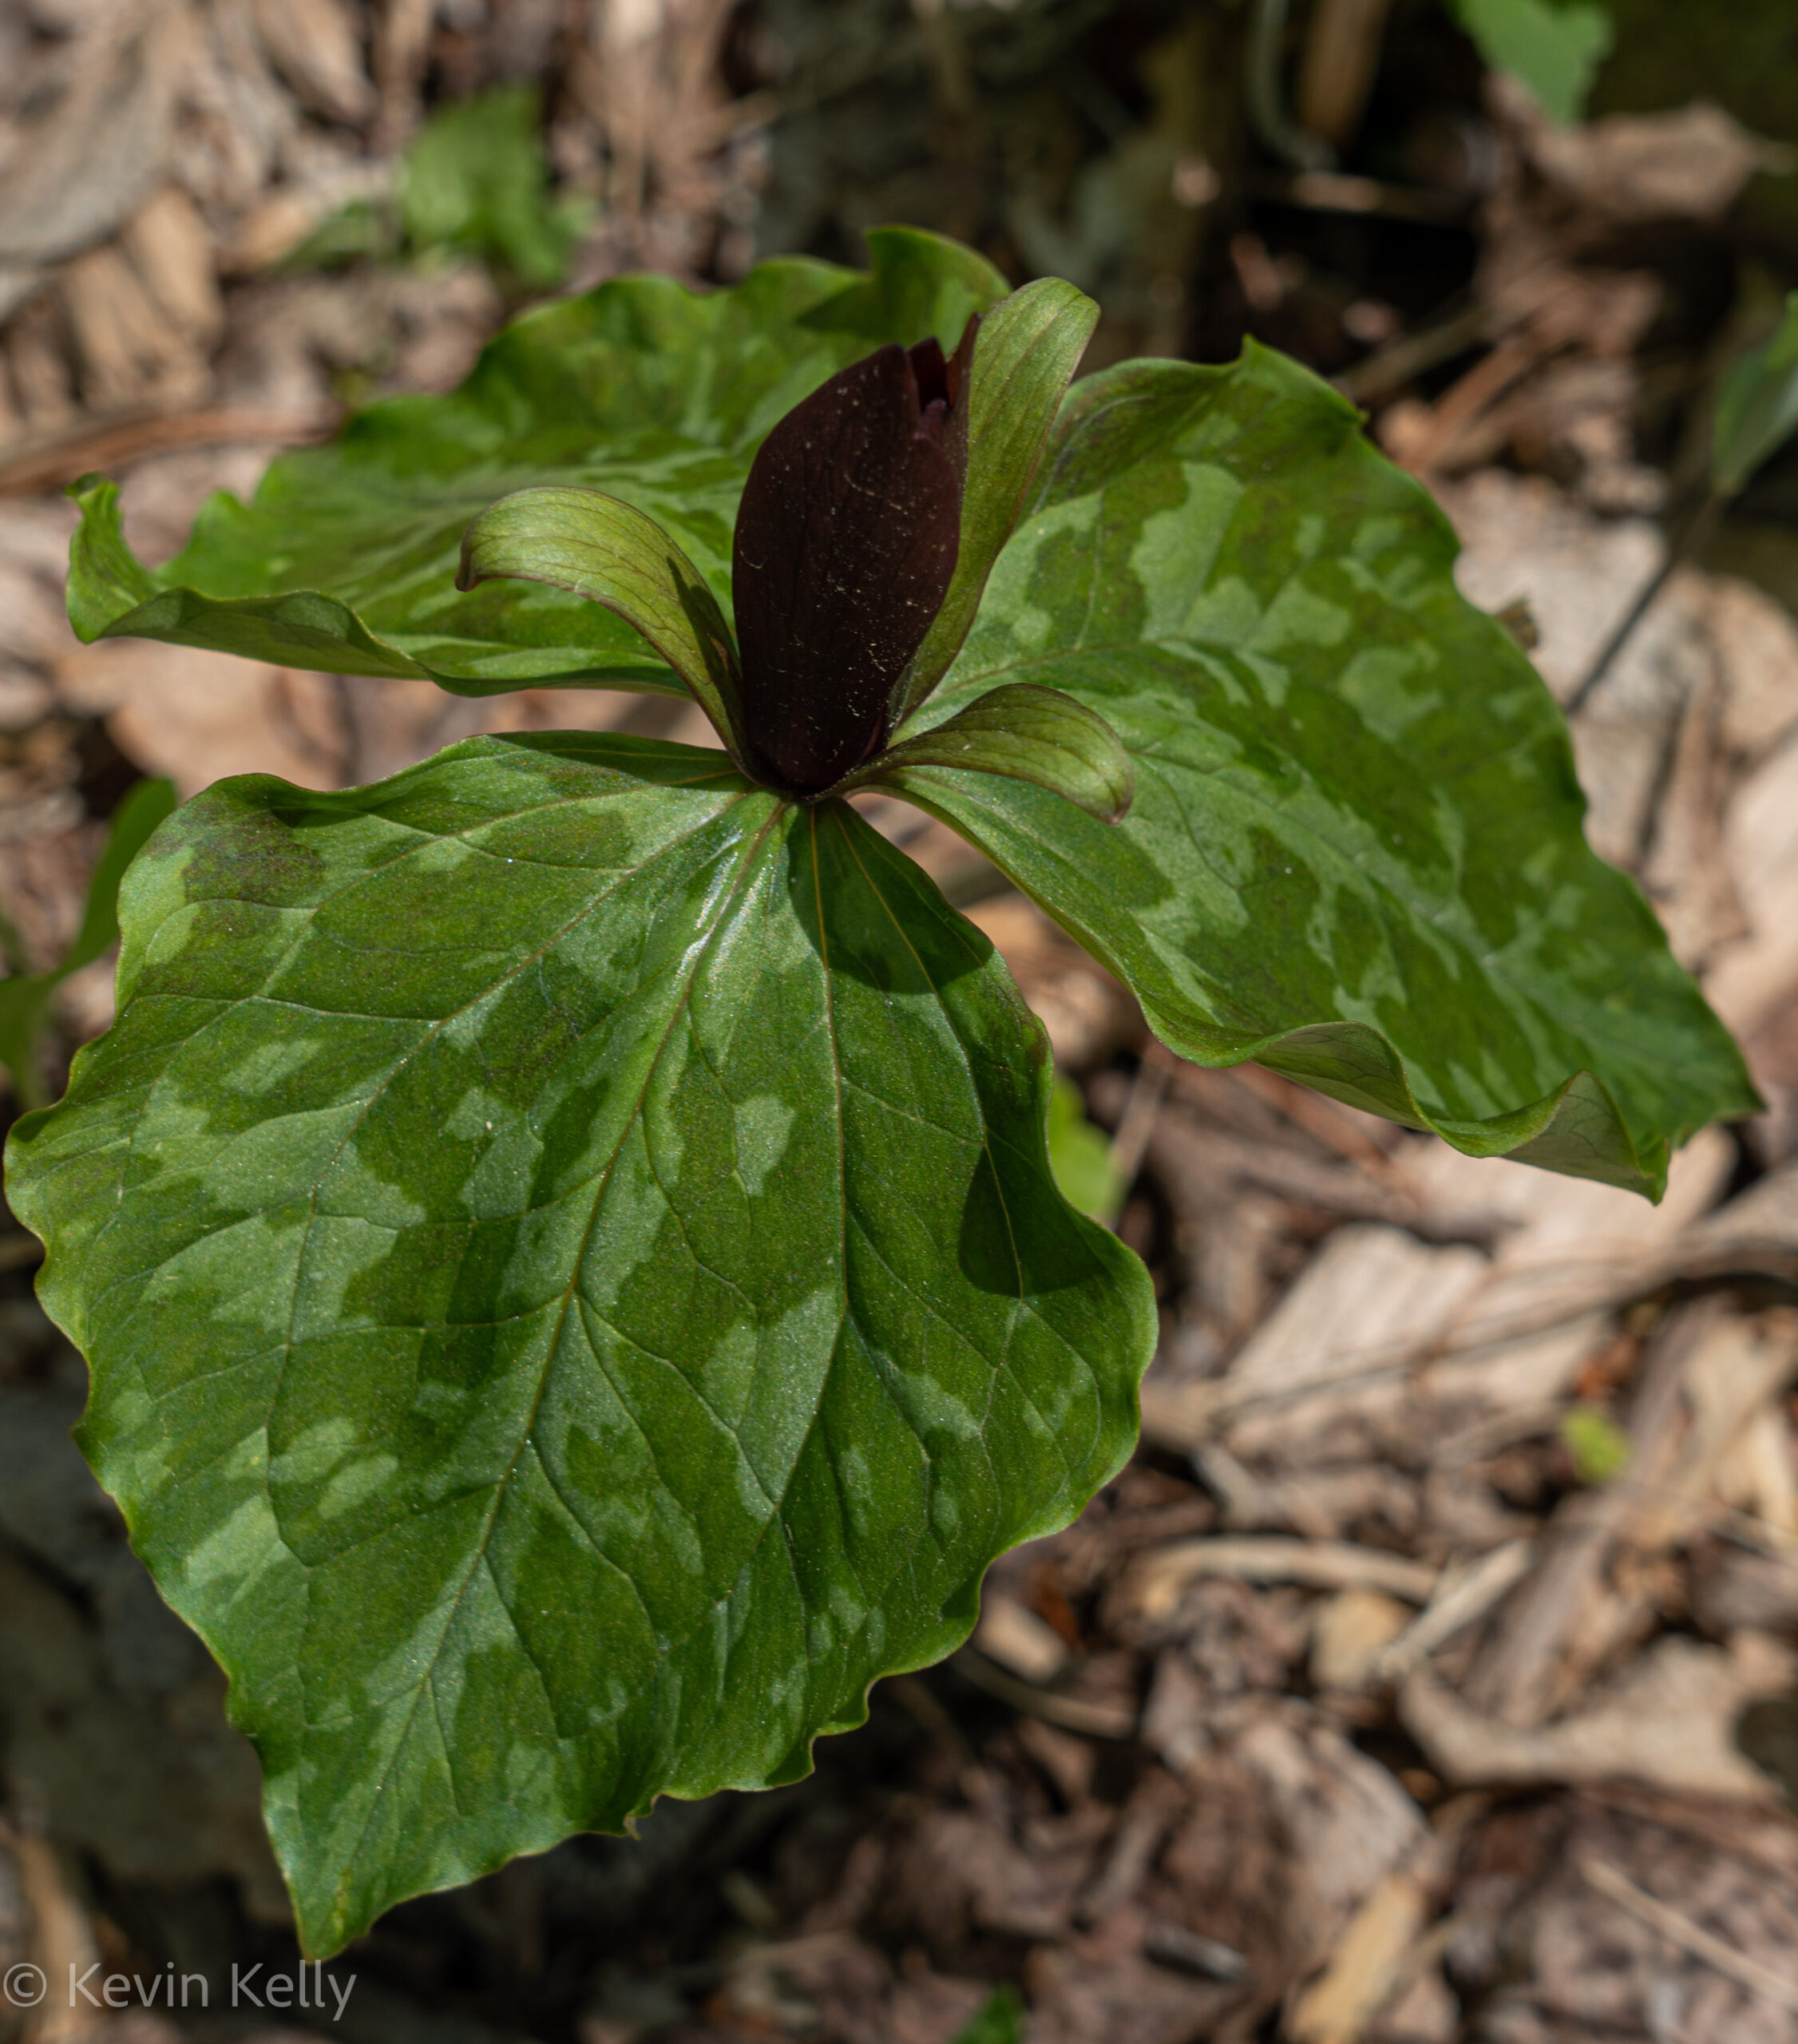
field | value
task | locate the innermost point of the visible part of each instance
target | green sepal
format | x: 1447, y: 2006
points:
x: 1028, y: 733
x: 598, y: 547
x: 1028, y: 348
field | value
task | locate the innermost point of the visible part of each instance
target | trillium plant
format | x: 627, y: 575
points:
x: 563, y: 1237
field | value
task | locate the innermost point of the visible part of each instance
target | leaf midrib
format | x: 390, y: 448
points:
x: 479, y: 1555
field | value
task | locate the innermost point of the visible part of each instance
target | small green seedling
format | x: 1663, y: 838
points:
x: 1599, y: 1448
x: 1000, y: 2020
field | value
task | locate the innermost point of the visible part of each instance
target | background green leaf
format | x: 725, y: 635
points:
x: 1756, y: 406
x: 1355, y: 852
x: 1554, y: 46
x: 345, y: 559
x: 573, y: 1284
x: 474, y: 181
x: 477, y: 177
x: 1080, y: 1156
x: 26, y: 997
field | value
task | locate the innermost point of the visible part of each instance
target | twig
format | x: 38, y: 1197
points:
x: 61, y: 1933
x: 1157, y: 1583
x: 1334, y: 191
x: 1130, y: 1144
x: 1091, y: 1721
x: 49, y: 461
x: 1547, y: 1631
x: 1351, y: 1190
x: 1413, y: 354
x: 1458, y: 1601
x: 1471, y: 394
x: 946, y: 53
x: 1697, y: 531
x: 1267, y: 100
x: 1183, y: 1416
x: 1333, y: 1124
x: 1690, y: 1937
x: 1188, y: 1951
x: 1155, y: 1804
x: 1341, y: 57
x: 1361, y: 1973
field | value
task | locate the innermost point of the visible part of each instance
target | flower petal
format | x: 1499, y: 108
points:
x: 845, y: 545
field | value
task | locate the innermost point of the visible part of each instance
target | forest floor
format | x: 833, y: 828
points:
x: 1431, y: 1672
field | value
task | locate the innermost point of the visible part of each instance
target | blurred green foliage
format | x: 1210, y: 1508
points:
x: 1599, y: 1447
x: 1000, y: 2022
x: 475, y: 181
x: 25, y: 997
x: 1080, y: 1156
x: 477, y: 178
x: 1756, y: 407
x: 1554, y: 46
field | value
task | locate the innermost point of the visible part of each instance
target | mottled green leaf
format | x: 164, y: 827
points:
x: 1356, y: 850
x: 105, y: 578
x: 346, y: 558
x: 600, y: 548
x: 573, y: 1285
x: 1554, y: 46
x: 565, y: 1242
x: 1029, y: 347
x: 1031, y: 734
x: 112, y: 596
x: 1756, y: 407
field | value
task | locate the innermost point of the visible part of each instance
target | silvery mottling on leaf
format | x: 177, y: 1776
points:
x: 845, y: 547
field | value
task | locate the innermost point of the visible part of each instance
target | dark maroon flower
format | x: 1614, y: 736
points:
x: 846, y: 544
